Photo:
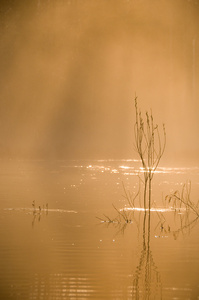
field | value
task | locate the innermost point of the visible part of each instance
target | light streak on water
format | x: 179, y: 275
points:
x: 131, y: 168
x: 160, y: 209
x: 42, y: 210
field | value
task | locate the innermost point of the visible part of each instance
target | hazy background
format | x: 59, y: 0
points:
x: 69, y: 71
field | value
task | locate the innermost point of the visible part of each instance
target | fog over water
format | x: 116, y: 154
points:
x: 81, y: 217
x: 70, y: 71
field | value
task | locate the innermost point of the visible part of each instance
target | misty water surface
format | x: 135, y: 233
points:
x: 65, y: 252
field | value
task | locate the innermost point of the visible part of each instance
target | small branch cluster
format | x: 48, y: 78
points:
x: 131, y: 197
x: 121, y: 217
x: 37, y: 212
x: 44, y: 208
x: 183, y: 199
x: 148, y: 142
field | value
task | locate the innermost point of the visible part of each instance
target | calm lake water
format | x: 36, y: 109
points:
x: 59, y: 249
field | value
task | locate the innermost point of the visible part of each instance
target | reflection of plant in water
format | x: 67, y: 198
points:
x: 184, y: 211
x: 37, y: 212
x: 183, y: 223
x: 147, y: 281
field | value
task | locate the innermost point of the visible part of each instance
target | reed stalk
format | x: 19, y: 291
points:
x: 150, y: 147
